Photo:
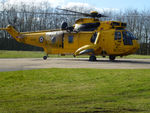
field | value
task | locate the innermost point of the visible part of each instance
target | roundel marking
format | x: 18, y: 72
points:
x: 41, y: 39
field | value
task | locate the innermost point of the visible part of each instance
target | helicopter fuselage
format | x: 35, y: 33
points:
x: 90, y: 36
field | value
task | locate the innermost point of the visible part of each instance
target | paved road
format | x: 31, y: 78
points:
x: 14, y: 64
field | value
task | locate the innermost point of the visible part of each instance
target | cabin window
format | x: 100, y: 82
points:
x: 132, y: 36
x: 93, y: 38
x: 70, y: 39
x: 127, y: 38
x: 117, y: 35
x: 53, y: 39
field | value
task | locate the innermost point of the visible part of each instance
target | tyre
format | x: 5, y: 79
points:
x: 44, y: 57
x: 92, y: 58
x: 112, y: 58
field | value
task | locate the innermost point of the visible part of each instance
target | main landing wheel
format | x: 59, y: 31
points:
x: 92, y: 58
x: 44, y: 57
x: 112, y: 58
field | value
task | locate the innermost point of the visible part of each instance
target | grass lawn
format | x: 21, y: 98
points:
x: 40, y: 54
x: 21, y: 54
x: 75, y: 90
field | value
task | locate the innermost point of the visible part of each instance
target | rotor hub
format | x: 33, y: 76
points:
x: 94, y: 13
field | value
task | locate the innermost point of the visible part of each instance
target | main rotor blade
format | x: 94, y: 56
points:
x: 45, y: 13
x: 84, y: 14
x: 49, y: 13
x: 76, y: 13
x: 135, y: 16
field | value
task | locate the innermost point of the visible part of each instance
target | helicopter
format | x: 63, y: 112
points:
x: 88, y: 36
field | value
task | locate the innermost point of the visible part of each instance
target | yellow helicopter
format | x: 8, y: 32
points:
x: 87, y: 36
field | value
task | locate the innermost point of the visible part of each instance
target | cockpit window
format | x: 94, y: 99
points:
x: 129, y: 34
x: 132, y: 36
x: 87, y: 26
x: 117, y: 35
x: 128, y: 37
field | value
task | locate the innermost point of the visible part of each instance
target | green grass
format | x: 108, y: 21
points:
x: 75, y: 90
x: 138, y: 56
x: 28, y: 54
x: 37, y: 54
x: 21, y: 54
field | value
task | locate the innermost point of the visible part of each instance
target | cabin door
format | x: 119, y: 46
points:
x: 71, y: 41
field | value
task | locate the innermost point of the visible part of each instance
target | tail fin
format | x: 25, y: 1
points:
x: 15, y: 34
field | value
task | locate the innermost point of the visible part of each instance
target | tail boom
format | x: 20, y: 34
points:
x: 14, y: 33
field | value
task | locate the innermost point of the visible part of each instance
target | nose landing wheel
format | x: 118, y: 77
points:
x: 92, y: 58
x: 112, y: 58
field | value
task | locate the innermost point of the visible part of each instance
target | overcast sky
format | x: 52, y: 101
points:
x: 99, y: 4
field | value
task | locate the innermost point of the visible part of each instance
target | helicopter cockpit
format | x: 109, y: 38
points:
x: 127, y: 37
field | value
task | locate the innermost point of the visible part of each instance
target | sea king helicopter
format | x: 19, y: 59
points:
x: 88, y: 36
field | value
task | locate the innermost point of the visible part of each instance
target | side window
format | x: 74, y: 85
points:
x: 53, y: 39
x: 70, y: 39
x: 117, y: 36
x: 93, y: 38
